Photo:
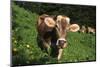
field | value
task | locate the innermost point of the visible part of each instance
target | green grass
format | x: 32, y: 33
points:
x: 81, y: 47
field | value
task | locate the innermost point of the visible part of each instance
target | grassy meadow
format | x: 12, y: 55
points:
x: 25, y: 51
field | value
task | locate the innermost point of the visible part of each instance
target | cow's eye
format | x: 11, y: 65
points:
x: 58, y: 21
x: 55, y: 25
x: 64, y: 41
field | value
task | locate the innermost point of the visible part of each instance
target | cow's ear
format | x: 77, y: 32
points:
x: 74, y: 28
x: 49, y: 22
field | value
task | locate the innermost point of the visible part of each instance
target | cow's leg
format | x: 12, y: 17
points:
x: 59, y: 54
x: 47, y: 46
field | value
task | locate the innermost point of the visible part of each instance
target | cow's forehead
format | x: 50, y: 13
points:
x: 60, y: 17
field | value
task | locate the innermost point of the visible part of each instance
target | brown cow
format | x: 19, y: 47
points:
x: 62, y: 26
x: 45, y: 26
x: 91, y: 30
x: 53, y: 33
x: 83, y: 29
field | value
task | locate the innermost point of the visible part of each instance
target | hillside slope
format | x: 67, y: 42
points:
x: 82, y: 47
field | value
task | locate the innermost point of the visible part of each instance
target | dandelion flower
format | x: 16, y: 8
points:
x: 15, y: 41
x: 15, y: 49
x: 27, y: 46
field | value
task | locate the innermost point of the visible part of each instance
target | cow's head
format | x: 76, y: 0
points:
x: 46, y: 22
x: 62, y: 26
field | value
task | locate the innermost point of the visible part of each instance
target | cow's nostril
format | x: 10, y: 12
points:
x: 61, y: 42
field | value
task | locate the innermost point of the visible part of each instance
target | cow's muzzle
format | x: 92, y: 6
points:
x: 61, y: 43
